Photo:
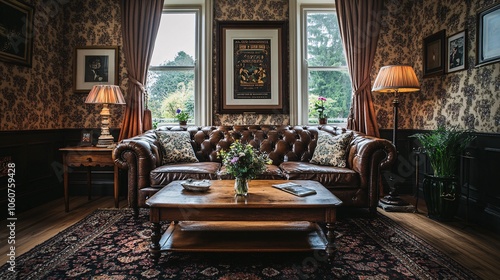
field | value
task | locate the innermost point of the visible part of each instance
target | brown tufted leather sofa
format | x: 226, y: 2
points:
x: 289, y: 147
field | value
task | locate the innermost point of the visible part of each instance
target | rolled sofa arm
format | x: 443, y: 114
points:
x: 138, y: 155
x: 369, y: 156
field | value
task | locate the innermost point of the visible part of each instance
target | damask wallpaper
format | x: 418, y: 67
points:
x: 41, y: 97
x: 469, y: 99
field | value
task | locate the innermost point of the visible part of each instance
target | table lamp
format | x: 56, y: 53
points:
x: 395, y: 79
x: 105, y: 94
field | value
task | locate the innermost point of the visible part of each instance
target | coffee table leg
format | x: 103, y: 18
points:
x: 154, y: 247
x: 330, y: 237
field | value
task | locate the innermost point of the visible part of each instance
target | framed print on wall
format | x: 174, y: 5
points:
x: 95, y: 66
x: 434, y: 54
x: 488, y: 39
x: 252, y: 66
x: 456, y: 52
x: 16, y: 32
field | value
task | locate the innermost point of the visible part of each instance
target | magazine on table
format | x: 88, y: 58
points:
x: 295, y: 189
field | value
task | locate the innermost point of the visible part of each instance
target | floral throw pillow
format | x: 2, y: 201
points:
x: 176, y: 147
x: 331, y: 150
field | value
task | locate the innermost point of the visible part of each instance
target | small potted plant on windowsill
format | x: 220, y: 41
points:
x: 319, y: 106
x: 182, y: 116
x: 441, y: 190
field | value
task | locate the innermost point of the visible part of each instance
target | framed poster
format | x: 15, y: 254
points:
x: 95, y: 66
x: 434, y: 54
x: 252, y: 67
x: 488, y: 40
x: 456, y: 52
x: 16, y: 32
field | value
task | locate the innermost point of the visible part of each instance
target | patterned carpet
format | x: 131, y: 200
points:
x: 111, y: 244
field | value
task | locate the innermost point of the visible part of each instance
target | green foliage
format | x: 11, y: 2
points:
x: 169, y: 90
x: 444, y: 147
x: 243, y: 161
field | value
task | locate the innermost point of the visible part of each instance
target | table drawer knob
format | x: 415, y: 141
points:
x: 89, y: 159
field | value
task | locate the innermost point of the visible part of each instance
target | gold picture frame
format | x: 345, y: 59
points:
x: 16, y: 36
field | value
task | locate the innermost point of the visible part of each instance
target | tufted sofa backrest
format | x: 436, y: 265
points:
x: 281, y: 143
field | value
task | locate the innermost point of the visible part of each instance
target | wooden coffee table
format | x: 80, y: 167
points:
x: 267, y: 220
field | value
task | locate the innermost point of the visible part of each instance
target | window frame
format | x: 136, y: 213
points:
x: 304, y: 68
x: 198, y: 61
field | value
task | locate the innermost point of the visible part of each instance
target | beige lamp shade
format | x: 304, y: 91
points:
x: 105, y: 94
x: 396, y: 78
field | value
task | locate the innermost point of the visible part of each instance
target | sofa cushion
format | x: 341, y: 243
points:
x: 327, y: 175
x: 272, y: 172
x: 176, y: 146
x: 163, y: 175
x: 331, y: 150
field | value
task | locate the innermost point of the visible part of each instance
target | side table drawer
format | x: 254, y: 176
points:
x: 89, y: 159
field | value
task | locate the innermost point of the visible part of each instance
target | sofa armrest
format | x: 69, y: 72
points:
x: 369, y: 156
x: 138, y: 155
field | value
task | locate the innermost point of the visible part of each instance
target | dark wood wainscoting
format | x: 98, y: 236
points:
x: 479, y: 176
x: 38, y: 168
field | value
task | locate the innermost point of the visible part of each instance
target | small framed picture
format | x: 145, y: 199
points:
x: 434, y: 54
x: 456, y: 52
x: 95, y: 66
x: 488, y: 41
x: 86, y: 139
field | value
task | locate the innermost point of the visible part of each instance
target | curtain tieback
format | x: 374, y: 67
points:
x: 364, y: 84
x: 137, y: 83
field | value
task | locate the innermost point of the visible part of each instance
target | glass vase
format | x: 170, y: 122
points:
x: 241, y: 186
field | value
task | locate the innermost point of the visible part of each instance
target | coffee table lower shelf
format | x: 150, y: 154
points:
x: 243, y: 237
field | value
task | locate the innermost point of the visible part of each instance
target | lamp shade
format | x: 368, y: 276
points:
x: 400, y: 78
x: 105, y: 94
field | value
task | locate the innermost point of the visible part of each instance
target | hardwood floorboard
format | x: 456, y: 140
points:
x: 475, y: 248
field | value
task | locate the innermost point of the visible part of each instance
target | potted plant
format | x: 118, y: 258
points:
x: 319, y: 106
x: 441, y: 190
x: 182, y: 116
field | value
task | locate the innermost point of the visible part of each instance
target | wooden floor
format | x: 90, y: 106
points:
x: 473, y: 247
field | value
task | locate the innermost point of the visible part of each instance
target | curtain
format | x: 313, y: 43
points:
x: 359, y: 23
x: 140, y: 23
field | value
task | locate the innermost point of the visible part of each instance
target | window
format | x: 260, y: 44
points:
x: 173, y: 77
x: 324, y: 70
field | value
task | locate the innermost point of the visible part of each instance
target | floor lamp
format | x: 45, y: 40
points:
x: 105, y: 94
x: 395, y: 79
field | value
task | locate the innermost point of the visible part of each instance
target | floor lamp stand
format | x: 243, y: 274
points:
x: 392, y: 202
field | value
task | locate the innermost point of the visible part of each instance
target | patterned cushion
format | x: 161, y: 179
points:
x: 176, y: 146
x: 331, y: 150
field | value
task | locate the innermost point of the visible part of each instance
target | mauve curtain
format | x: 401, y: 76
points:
x: 140, y: 23
x: 359, y: 22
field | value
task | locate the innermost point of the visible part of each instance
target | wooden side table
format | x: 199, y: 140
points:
x: 89, y: 157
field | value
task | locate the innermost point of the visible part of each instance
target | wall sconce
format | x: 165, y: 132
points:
x: 105, y: 94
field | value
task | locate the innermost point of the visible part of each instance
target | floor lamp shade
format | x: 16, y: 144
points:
x: 105, y: 94
x: 396, y: 78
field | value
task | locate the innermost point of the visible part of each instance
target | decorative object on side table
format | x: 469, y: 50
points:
x: 244, y: 163
x: 442, y: 190
x: 319, y: 106
x: 182, y: 116
x: 395, y: 79
x: 105, y: 94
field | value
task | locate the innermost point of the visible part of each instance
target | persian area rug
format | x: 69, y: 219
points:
x: 111, y: 244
